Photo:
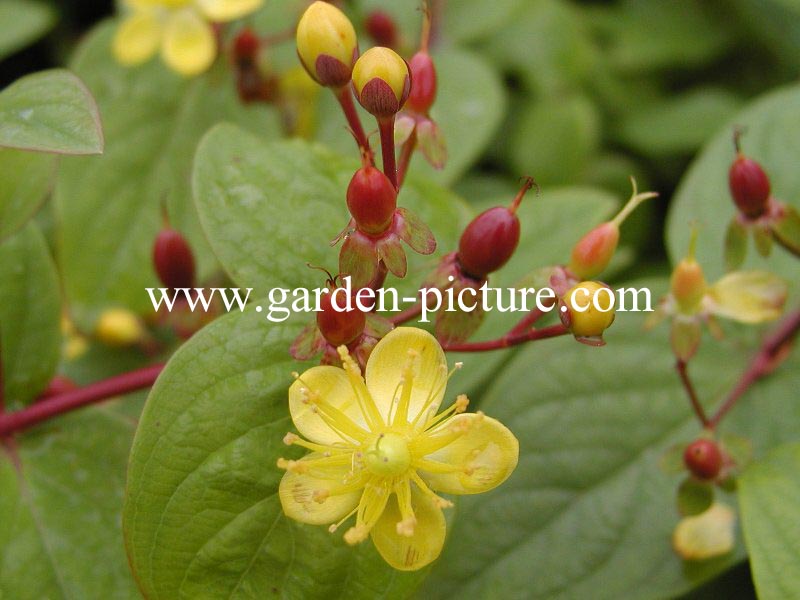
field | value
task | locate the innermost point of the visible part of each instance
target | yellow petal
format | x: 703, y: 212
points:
x: 333, y: 387
x: 222, y: 11
x: 297, y: 494
x: 137, y: 38
x: 748, y: 296
x: 189, y: 46
x: 391, y: 357
x: 706, y: 535
x: 420, y: 549
x: 488, y: 453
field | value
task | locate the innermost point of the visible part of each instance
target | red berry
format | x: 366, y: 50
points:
x: 488, y: 241
x: 372, y: 200
x: 703, y: 458
x: 749, y: 186
x: 381, y: 28
x: 173, y: 260
x: 423, y: 82
x: 340, y: 327
x: 246, y: 45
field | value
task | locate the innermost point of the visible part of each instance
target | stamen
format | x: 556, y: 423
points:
x: 433, y: 466
x: 335, y: 526
x: 435, y: 393
x: 406, y: 526
x: 446, y: 433
x: 333, y: 417
x: 401, y: 417
x: 368, y: 408
x: 291, y: 439
x: 458, y: 407
x: 438, y: 500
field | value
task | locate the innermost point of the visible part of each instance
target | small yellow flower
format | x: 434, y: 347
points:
x: 380, y: 451
x: 706, y: 535
x: 382, y: 81
x: 119, y: 327
x: 180, y: 28
x: 327, y: 44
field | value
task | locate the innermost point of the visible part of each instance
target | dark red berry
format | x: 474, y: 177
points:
x: 173, y: 260
x: 703, y: 458
x: 488, y: 241
x: 749, y: 186
x: 340, y: 327
x: 423, y: 82
x: 372, y: 200
x: 246, y: 45
x: 381, y: 28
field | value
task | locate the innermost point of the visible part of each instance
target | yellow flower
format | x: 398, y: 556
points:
x: 119, y: 327
x: 180, y: 28
x: 380, y: 451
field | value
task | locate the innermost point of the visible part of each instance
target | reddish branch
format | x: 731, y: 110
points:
x: 47, y: 408
x: 345, y: 98
x: 680, y: 366
x: 508, y: 340
x: 762, y: 364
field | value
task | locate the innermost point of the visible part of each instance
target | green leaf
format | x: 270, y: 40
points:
x: 110, y: 206
x: 50, y: 111
x: 25, y: 180
x: 202, y: 516
x: 469, y: 108
x: 21, y: 23
x: 678, y: 125
x: 60, y: 500
x: 553, y: 138
x: 775, y: 23
x: 694, y: 497
x: 468, y: 20
x: 269, y: 208
x: 588, y: 513
x: 772, y: 125
x: 768, y: 493
x: 30, y: 312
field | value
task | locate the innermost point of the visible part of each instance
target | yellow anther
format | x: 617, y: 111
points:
x: 290, y: 438
x: 462, y: 402
x: 356, y: 535
x: 406, y: 527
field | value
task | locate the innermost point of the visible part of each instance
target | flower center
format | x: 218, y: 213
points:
x: 389, y: 455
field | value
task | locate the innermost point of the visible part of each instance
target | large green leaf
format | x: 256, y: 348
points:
x: 775, y: 22
x: 469, y: 107
x: 110, y: 206
x: 588, y: 512
x: 25, y: 179
x: 60, y: 499
x: 22, y: 22
x: 768, y: 492
x: 50, y: 111
x: 30, y: 309
x: 269, y: 208
x: 773, y: 138
x: 202, y: 516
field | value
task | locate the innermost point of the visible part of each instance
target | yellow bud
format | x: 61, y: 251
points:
x: 589, y: 309
x: 382, y: 81
x: 688, y: 285
x: 119, y: 327
x: 327, y: 44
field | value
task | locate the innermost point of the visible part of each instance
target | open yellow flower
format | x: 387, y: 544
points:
x: 381, y: 452
x: 181, y: 29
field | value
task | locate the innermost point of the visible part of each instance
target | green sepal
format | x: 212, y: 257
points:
x: 735, y: 245
x: 694, y: 497
x: 786, y: 229
x: 762, y: 237
x: 685, y: 338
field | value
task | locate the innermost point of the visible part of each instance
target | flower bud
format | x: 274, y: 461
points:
x: 491, y: 238
x: 381, y: 28
x: 703, y: 458
x: 594, y: 251
x: 119, y: 327
x: 688, y: 283
x: 246, y: 45
x: 423, y: 82
x: 340, y: 327
x: 589, y: 309
x: 382, y: 81
x: 749, y: 186
x: 372, y: 200
x: 327, y: 44
x: 173, y: 260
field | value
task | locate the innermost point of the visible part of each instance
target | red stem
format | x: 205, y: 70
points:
x: 683, y: 373
x: 91, y: 394
x: 345, y: 98
x: 762, y: 364
x: 410, y: 313
x: 406, y: 152
x: 386, y: 128
x: 508, y: 340
x: 2, y: 385
x: 531, y: 318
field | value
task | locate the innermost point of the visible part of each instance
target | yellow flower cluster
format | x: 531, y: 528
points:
x: 180, y: 29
